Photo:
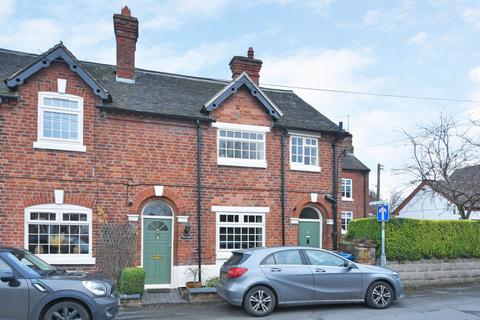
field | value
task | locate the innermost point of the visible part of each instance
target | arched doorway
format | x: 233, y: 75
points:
x: 157, y: 230
x: 310, y: 228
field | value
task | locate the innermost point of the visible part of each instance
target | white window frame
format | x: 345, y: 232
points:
x: 253, y: 163
x: 59, y: 210
x: 301, y: 166
x: 344, y: 213
x: 344, y: 191
x: 241, y: 211
x: 58, y: 143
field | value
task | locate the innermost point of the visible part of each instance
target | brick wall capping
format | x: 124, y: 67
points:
x: 58, y: 52
x: 243, y: 80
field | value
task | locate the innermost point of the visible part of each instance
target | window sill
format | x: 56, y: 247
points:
x: 50, y: 145
x: 66, y: 259
x: 242, y: 163
x: 300, y: 167
x: 347, y: 199
x: 224, y: 255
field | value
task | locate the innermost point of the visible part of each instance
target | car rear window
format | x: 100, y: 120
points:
x: 236, y: 258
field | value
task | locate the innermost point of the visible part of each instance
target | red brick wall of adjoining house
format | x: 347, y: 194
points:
x: 138, y: 151
x: 359, y: 182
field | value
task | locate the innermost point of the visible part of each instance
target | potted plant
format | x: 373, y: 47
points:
x: 194, y: 283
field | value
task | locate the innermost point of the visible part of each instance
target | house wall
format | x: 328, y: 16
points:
x: 132, y: 154
x: 358, y: 203
x: 427, y: 205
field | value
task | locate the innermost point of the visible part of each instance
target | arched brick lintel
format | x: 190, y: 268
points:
x: 148, y: 193
x: 306, y: 200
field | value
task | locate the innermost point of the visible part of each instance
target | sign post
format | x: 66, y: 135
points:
x: 382, y: 216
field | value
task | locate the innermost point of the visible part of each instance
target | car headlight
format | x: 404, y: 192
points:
x: 98, y: 288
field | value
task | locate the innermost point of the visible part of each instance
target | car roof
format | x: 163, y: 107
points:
x: 274, y: 249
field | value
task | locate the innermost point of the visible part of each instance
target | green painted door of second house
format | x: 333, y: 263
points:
x: 157, y: 250
x: 309, y: 233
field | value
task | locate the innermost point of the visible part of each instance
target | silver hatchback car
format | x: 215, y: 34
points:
x: 261, y: 279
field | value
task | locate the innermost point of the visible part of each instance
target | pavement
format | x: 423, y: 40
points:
x: 456, y: 303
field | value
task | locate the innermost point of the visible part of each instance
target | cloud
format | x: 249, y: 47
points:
x: 372, y: 17
x: 322, y: 68
x: 419, y: 39
x: 472, y: 15
x: 7, y: 7
x: 397, y: 17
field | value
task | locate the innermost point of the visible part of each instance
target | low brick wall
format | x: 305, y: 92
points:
x: 437, y: 272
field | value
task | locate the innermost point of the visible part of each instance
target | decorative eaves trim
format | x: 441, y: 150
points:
x: 243, y: 80
x: 43, y: 61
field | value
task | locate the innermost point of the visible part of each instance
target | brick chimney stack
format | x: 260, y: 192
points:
x: 126, y: 35
x: 249, y: 64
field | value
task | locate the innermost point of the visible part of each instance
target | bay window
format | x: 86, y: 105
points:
x: 60, y: 234
x: 239, y: 228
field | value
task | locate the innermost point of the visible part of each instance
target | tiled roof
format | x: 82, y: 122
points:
x: 172, y: 94
x: 350, y: 162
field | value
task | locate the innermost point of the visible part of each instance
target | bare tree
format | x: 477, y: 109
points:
x: 395, y: 199
x: 443, y: 156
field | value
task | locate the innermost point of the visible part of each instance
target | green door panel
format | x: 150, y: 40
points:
x: 157, y: 249
x: 309, y: 233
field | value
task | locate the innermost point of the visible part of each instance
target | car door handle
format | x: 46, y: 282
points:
x: 319, y: 270
x: 275, y: 269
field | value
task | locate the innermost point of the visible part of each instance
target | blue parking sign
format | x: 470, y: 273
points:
x: 382, y: 212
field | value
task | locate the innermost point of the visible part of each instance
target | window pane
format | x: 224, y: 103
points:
x: 60, y: 103
x: 60, y: 125
x: 240, y: 145
x: 288, y: 257
x: 321, y: 258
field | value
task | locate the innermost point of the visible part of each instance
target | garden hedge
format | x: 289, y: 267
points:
x: 410, y: 239
x: 132, y: 280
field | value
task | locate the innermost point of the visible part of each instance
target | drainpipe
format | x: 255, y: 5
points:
x: 282, y: 190
x: 199, y: 201
x: 338, y: 136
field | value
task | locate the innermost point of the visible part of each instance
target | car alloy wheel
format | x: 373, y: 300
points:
x: 380, y: 295
x: 67, y: 311
x: 259, y: 301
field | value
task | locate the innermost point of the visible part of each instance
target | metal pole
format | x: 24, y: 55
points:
x: 379, y: 167
x: 383, y: 258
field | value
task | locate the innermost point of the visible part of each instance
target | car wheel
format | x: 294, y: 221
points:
x: 259, y: 301
x: 66, y: 310
x: 379, y: 295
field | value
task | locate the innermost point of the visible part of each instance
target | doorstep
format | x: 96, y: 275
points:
x: 162, y: 296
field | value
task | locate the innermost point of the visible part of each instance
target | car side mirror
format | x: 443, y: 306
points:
x: 10, y: 278
x: 349, y: 265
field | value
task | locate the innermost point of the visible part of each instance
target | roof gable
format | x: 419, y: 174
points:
x: 243, y: 80
x: 44, y: 60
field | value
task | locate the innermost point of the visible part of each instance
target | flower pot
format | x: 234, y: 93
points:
x: 193, y: 284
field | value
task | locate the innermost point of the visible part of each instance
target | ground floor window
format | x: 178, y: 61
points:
x: 59, y: 233
x: 240, y: 230
x: 347, y: 216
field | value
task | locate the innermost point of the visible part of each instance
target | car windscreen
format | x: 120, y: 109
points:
x: 236, y: 258
x: 33, y: 262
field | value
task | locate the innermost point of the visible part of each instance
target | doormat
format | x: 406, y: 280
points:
x: 158, y: 290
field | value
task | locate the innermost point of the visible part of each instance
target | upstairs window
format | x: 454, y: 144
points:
x: 241, y: 145
x: 347, y: 189
x: 60, y: 122
x: 304, y: 153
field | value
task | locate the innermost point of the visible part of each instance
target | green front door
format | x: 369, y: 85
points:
x: 309, y: 233
x: 157, y: 250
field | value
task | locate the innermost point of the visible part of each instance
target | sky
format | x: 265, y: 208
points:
x: 428, y: 48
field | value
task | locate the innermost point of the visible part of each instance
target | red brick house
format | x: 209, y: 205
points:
x: 200, y: 166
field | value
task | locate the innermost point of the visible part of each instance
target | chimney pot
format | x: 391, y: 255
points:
x: 250, y: 53
x: 126, y: 35
x: 126, y: 12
